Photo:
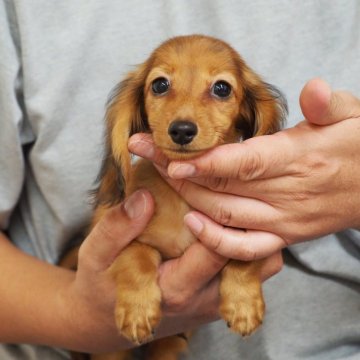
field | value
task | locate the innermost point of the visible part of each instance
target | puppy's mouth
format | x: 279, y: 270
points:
x: 182, y: 152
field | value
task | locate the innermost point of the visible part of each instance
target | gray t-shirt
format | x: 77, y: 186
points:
x: 59, y: 61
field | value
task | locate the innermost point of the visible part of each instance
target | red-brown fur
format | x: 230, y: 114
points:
x: 192, y: 64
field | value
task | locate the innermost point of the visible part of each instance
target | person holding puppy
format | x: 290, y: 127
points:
x: 297, y: 185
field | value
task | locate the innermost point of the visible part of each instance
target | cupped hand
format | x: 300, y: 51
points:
x: 189, y: 284
x: 295, y: 185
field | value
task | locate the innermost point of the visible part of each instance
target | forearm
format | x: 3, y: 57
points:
x: 29, y: 302
x: 37, y: 305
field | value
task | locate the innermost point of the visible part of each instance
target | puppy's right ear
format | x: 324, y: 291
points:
x: 263, y: 109
x: 125, y: 116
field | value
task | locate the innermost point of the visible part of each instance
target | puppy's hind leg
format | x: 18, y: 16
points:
x: 138, y: 296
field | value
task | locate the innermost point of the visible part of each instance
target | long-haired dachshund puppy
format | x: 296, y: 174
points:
x: 192, y: 94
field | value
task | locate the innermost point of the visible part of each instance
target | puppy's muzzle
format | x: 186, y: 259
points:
x: 182, y: 132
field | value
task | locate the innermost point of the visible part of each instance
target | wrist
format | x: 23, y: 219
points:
x: 88, y: 322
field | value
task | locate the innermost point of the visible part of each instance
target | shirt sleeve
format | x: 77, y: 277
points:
x: 12, y: 135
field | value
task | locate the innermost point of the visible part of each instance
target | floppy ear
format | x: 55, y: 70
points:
x: 125, y: 116
x: 263, y: 109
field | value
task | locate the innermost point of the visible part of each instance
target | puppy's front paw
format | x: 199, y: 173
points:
x: 243, y: 310
x: 137, y: 314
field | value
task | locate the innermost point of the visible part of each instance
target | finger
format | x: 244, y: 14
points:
x: 256, y: 158
x: 192, y: 271
x: 200, y: 308
x: 271, y: 266
x: 143, y: 145
x: 322, y: 106
x: 268, y: 190
x: 227, y: 209
x: 120, y: 225
x: 233, y: 243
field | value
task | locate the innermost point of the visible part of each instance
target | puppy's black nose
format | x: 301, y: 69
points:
x: 182, y: 132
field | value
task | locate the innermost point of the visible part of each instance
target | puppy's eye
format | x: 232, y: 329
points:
x: 221, y: 89
x: 160, y: 86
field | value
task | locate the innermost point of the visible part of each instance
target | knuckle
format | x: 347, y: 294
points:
x: 311, y: 165
x: 222, y: 215
x: 103, y: 229
x: 219, y: 184
x: 215, y: 239
x: 251, y: 166
x: 301, y: 196
x: 110, y: 226
x: 211, y: 169
x: 217, y: 259
x: 177, y: 302
x: 248, y: 254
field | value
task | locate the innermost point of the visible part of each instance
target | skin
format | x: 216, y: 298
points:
x: 256, y: 185
x: 40, y: 300
x: 293, y: 186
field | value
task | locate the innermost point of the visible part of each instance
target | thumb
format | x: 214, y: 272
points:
x: 322, y: 106
x: 118, y: 227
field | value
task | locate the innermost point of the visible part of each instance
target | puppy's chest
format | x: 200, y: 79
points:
x: 166, y: 231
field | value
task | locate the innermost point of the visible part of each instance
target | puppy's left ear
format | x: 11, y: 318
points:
x: 263, y: 109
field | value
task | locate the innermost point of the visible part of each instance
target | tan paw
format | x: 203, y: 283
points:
x: 242, y: 312
x: 137, y: 319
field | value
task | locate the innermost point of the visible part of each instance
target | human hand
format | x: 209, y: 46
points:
x: 190, y: 287
x: 292, y: 186
x: 63, y: 308
x: 189, y: 284
x: 75, y: 310
x: 91, y: 294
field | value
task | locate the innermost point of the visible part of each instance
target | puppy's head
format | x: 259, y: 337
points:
x: 192, y: 94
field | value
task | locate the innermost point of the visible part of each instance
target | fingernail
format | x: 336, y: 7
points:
x: 180, y: 171
x: 193, y: 223
x: 135, y: 205
x: 141, y: 148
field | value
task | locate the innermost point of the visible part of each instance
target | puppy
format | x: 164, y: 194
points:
x: 192, y: 94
